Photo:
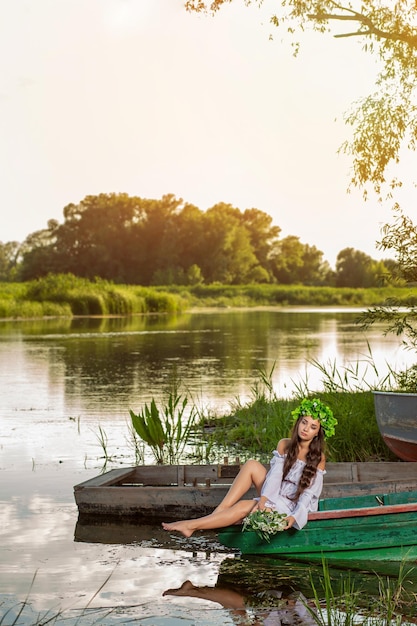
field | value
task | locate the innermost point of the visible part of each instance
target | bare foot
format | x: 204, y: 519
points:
x: 182, y: 527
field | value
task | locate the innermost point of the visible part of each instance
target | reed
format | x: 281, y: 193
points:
x: 136, y: 444
x: 103, y: 441
x: 333, y: 605
x: 339, y: 603
x: 23, y: 613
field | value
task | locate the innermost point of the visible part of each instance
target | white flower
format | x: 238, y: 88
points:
x: 265, y: 523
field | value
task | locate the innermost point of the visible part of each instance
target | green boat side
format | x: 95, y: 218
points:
x: 344, y: 530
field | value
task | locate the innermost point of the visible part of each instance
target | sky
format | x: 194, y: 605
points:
x: 141, y: 97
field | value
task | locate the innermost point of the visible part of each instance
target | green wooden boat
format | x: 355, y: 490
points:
x: 358, y: 531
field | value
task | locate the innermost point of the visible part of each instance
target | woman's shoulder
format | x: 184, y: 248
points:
x: 283, y: 445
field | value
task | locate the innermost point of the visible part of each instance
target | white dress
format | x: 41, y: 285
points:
x: 278, y: 492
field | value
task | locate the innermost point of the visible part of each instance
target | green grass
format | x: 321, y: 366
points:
x: 252, y: 430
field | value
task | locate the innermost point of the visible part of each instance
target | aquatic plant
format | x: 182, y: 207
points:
x: 166, y: 431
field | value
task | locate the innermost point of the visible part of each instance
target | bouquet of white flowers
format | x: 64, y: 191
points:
x: 265, y: 523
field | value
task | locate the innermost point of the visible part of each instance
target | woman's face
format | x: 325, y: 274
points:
x: 308, y: 428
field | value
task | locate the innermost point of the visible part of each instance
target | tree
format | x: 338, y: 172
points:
x: 287, y: 259
x: 9, y: 257
x: 226, y: 255
x: 352, y: 268
x: 357, y: 269
x: 261, y: 233
x: 296, y: 262
x: 385, y: 121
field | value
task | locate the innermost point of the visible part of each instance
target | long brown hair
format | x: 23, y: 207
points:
x: 313, y: 458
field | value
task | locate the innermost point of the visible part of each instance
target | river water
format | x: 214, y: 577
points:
x: 63, y: 380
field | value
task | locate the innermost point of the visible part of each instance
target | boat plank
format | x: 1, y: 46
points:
x: 381, y: 510
x: 109, y: 478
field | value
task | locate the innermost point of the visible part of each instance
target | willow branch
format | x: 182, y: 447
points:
x: 365, y: 21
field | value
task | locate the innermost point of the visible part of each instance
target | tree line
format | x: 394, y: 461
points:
x: 139, y: 241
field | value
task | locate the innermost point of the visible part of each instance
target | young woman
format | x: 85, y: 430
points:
x: 293, y: 484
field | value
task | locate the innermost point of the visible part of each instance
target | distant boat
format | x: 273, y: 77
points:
x: 359, y: 532
x: 396, y: 415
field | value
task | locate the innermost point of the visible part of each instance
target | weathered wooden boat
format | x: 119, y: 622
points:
x: 396, y: 415
x: 348, y: 531
x: 170, y: 492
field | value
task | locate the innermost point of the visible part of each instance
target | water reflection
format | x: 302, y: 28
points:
x: 103, y: 366
x: 269, y: 607
x: 98, y: 529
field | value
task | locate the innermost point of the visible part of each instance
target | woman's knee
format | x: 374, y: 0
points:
x: 252, y: 465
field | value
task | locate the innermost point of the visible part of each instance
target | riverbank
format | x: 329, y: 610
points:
x: 68, y: 296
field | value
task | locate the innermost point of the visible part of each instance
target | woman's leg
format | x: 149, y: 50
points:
x: 217, y: 519
x: 251, y: 473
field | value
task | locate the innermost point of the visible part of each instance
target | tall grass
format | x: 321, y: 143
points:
x: 22, y: 612
x: 344, y: 605
x: 65, y: 295
x: 253, y: 429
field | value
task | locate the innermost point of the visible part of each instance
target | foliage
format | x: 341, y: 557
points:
x: 357, y: 269
x: 399, y: 316
x: 406, y: 381
x: 138, y: 241
x: 167, y: 431
x: 265, y: 523
x: 145, y: 241
x: 385, y: 121
x: 9, y: 258
x: 317, y: 410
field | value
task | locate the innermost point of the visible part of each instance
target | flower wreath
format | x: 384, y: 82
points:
x: 318, y: 411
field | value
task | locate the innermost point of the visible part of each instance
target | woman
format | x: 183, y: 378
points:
x: 293, y: 484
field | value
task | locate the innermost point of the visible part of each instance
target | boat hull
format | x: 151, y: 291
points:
x: 396, y: 415
x: 350, y: 535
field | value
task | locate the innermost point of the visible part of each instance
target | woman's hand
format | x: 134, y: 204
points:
x: 290, y: 522
x: 260, y: 506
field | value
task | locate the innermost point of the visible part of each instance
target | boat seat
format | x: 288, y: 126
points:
x: 352, y: 502
x: 402, y: 497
